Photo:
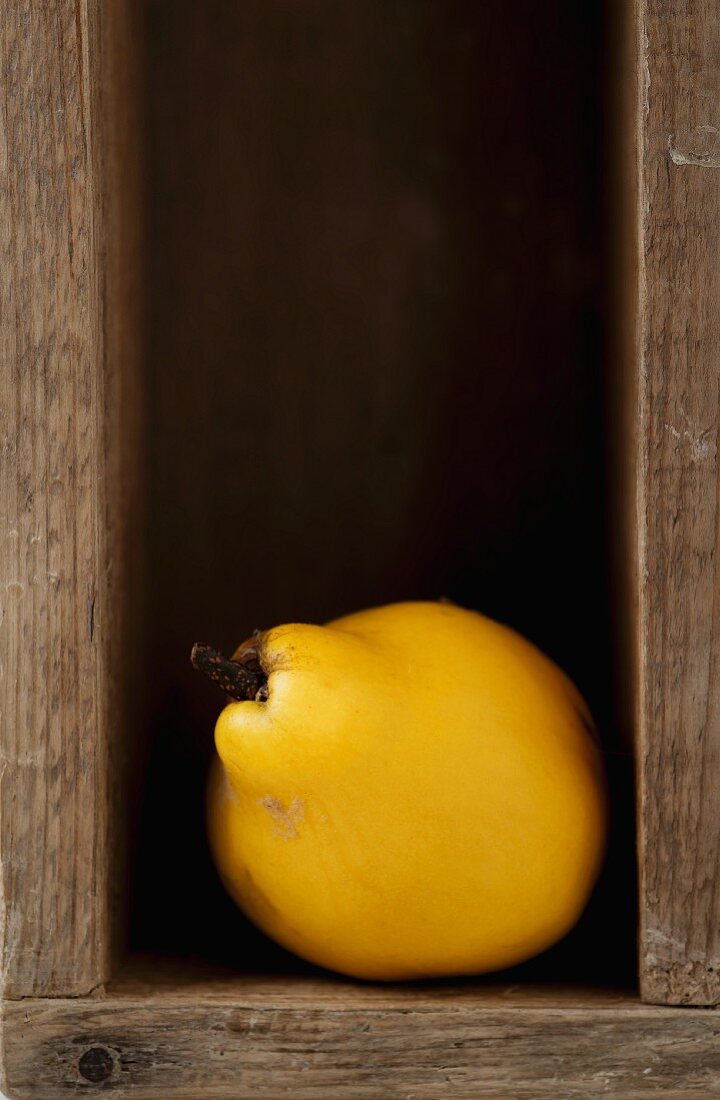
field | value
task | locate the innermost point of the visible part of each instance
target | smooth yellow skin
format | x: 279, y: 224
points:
x: 422, y: 794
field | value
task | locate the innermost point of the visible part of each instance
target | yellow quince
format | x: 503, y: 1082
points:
x: 411, y: 791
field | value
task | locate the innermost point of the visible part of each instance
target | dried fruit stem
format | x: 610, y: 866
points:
x: 240, y: 680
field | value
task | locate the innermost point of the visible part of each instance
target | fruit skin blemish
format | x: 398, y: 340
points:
x: 411, y: 791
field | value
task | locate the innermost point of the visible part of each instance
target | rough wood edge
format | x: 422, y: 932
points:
x: 120, y: 172
x: 264, y: 1038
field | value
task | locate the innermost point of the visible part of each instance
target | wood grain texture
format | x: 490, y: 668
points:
x: 264, y: 1038
x: 62, y: 541
x: 678, y: 43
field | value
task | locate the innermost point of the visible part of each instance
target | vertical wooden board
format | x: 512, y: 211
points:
x: 54, y: 934
x: 62, y: 544
x: 679, y: 362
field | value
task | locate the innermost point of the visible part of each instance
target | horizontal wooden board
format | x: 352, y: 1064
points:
x: 236, y: 1038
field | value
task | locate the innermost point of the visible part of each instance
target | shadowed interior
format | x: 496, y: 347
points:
x: 374, y: 347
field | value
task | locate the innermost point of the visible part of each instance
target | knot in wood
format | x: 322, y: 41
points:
x: 96, y: 1064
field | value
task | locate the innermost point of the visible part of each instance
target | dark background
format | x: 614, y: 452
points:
x: 375, y: 351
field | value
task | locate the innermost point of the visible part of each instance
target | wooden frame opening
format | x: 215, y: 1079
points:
x: 74, y: 493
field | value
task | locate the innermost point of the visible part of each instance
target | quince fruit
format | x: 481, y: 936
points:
x: 411, y: 791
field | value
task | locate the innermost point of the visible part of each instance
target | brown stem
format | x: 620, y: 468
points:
x: 240, y: 680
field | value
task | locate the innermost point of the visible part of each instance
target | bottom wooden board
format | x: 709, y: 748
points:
x: 175, y: 1039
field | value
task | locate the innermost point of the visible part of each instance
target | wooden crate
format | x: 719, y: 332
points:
x: 229, y: 229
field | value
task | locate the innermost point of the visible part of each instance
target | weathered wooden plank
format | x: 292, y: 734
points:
x: 678, y: 209
x: 62, y: 540
x: 263, y: 1039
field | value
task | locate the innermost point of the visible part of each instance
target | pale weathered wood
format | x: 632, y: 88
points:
x: 62, y: 541
x: 264, y: 1038
x: 678, y: 200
